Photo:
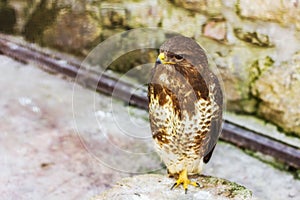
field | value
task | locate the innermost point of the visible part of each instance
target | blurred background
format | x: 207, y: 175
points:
x: 255, y: 45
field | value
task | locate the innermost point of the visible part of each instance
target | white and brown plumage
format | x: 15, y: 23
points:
x: 185, y: 108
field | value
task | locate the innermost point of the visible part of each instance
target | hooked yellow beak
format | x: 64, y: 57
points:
x: 161, y: 59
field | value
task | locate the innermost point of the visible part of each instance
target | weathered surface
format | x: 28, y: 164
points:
x: 210, y: 7
x: 153, y: 186
x: 215, y: 29
x: 72, y: 32
x: 285, y: 12
x: 278, y: 90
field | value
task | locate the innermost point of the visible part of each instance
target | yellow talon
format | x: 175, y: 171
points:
x: 183, y: 179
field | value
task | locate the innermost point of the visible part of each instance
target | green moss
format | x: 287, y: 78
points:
x: 274, y: 163
x: 232, y: 189
x: 269, y: 61
x: 237, y: 8
x: 297, y: 174
x: 253, y: 38
x: 237, y: 190
x: 258, y: 67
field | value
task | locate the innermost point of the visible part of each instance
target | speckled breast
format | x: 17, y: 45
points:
x: 180, y: 114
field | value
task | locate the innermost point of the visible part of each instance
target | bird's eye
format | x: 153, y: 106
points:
x: 178, y: 57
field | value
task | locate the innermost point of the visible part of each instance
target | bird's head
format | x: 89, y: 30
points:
x: 166, y: 57
x: 183, y: 51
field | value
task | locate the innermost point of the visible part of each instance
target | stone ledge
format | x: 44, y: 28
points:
x: 154, y: 186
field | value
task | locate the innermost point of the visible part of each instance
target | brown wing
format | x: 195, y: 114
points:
x: 216, y: 123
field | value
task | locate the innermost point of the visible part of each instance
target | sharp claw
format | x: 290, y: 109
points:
x: 173, y: 186
x: 183, y: 179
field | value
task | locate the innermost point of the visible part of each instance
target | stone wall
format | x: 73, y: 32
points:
x: 255, y: 44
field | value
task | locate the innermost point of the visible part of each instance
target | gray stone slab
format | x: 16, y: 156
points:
x: 151, y: 186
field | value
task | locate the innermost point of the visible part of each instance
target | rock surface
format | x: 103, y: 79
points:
x: 72, y: 32
x: 278, y: 90
x: 153, y: 186
x: 285, y: 12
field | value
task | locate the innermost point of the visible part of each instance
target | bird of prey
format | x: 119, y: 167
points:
x: 185, y: 108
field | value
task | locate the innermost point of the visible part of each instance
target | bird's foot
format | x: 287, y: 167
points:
x: 183, y: 179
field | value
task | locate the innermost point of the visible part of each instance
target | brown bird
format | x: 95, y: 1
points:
x: 185, y: 108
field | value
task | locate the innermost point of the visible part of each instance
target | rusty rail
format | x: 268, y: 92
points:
x: 73, y: 70
x: 231, y: 133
